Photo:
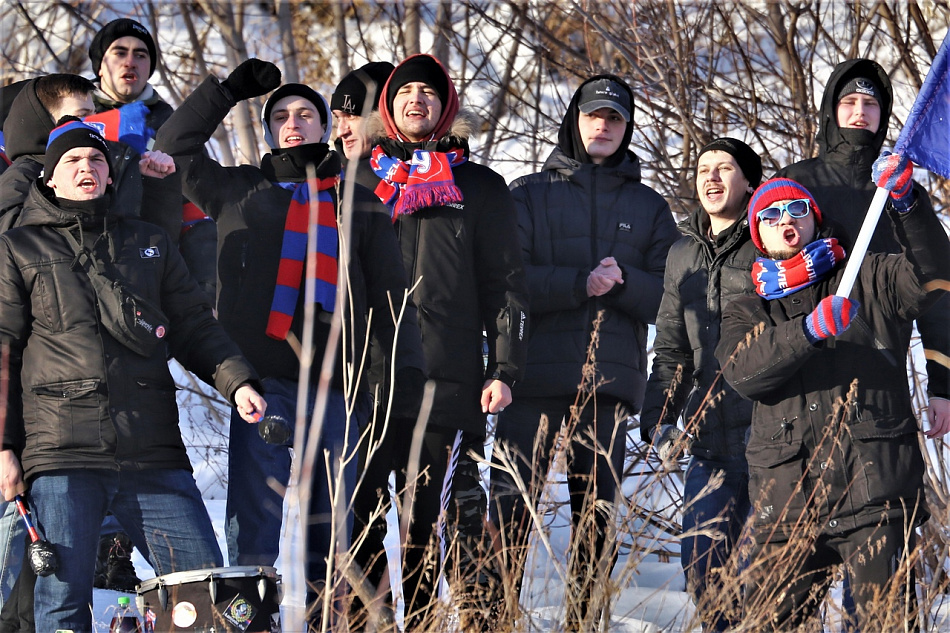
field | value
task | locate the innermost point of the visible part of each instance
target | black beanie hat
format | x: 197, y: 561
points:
x: 350, y: 94
x: 115, y: 30
x: 418, y: 68
x: 861, y: 85
x: 70, y: 133
x: 749, y: 162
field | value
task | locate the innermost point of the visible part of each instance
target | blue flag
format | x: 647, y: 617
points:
x: 925, y: 138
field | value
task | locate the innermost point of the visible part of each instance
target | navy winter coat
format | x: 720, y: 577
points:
x: 571, y: 215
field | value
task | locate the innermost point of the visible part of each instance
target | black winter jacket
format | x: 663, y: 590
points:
x: 466, y: 260
x: 87, y: 401
x: 250, y: 210
x: 571, y: 215
x: 834, y: 438
x: 364, y: 173
x: 700, y: 281
x: 155, y: 200
x: 839, y: 179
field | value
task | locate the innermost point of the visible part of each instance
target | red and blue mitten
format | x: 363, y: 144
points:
x: 831, y: 317
x: 896, y: 174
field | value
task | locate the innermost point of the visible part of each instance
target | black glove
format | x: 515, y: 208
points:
x: 407, y: 396
x: 252, y: 78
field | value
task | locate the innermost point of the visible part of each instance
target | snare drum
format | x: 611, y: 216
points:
x: 236, y: 599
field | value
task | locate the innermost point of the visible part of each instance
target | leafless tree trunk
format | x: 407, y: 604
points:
x: 285, y: 29
x: 342, y: 49
x: 411, y: 27
x: 228, y: 22
x: 443, y: 30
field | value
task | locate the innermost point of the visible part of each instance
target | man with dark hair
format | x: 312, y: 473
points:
x: 853, y: 122
x: 594, y: 240
x: 705, y: 270
x: 354, y: 100
x: 123, y: 56
x: 384, y: 439
x: 835, y: 467
x: 457, y: 229
x: 106, y: 381
x: 33, y: 114
x: 260, y: 213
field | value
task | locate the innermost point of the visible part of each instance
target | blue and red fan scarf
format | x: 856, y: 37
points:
x: 425, y: 181
x: 126, y: 124
x: 322, y: 267
x: 776, y: 278
x: 3, y: 150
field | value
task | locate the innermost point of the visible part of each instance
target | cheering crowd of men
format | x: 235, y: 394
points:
x: 462, y: 300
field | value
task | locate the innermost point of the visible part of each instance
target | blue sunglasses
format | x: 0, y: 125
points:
x: 794, y: 208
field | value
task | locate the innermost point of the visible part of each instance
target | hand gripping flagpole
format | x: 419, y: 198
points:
x: 925, y: 139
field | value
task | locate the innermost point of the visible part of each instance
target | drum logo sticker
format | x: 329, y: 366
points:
x: 184, y: 614
x: 240, y: 612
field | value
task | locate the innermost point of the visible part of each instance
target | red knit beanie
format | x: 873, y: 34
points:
x: 772, y: 191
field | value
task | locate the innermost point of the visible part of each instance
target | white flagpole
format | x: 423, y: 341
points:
x: 856, y: 256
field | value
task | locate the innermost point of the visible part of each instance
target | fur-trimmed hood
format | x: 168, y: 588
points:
x: 465, y: 126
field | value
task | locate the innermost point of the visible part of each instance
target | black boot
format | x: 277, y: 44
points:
x: 114, y: 568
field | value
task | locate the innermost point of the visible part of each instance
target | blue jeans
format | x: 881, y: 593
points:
x: 258, y: 472
x: 12, y: 543
x: 161, y: 510
x: 724, y: 510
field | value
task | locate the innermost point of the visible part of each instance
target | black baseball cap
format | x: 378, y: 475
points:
x: 605, y: 93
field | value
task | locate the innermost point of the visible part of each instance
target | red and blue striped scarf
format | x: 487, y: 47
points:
x: 776, y: 278
x: 321, y: 272
x: 425, y: 181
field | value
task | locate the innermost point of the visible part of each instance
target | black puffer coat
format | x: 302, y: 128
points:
x: 250, y: 210
x: 87, y: 401
x: 571, y: 215
x: 839, y: 179
x: 699, y: 282
x: 850, y: 389
x: 466, y: 259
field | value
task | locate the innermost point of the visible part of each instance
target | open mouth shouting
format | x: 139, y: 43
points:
x: 791, y: 236
x: 88, y: 184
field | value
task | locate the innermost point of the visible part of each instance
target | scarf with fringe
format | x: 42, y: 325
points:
x: 425, y: 181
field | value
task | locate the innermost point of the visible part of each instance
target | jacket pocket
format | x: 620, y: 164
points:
x: 45, y: 296
x: 776, y: 479
x: 888, y: 462
x: 771, y: 455
x: 68, y: 414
